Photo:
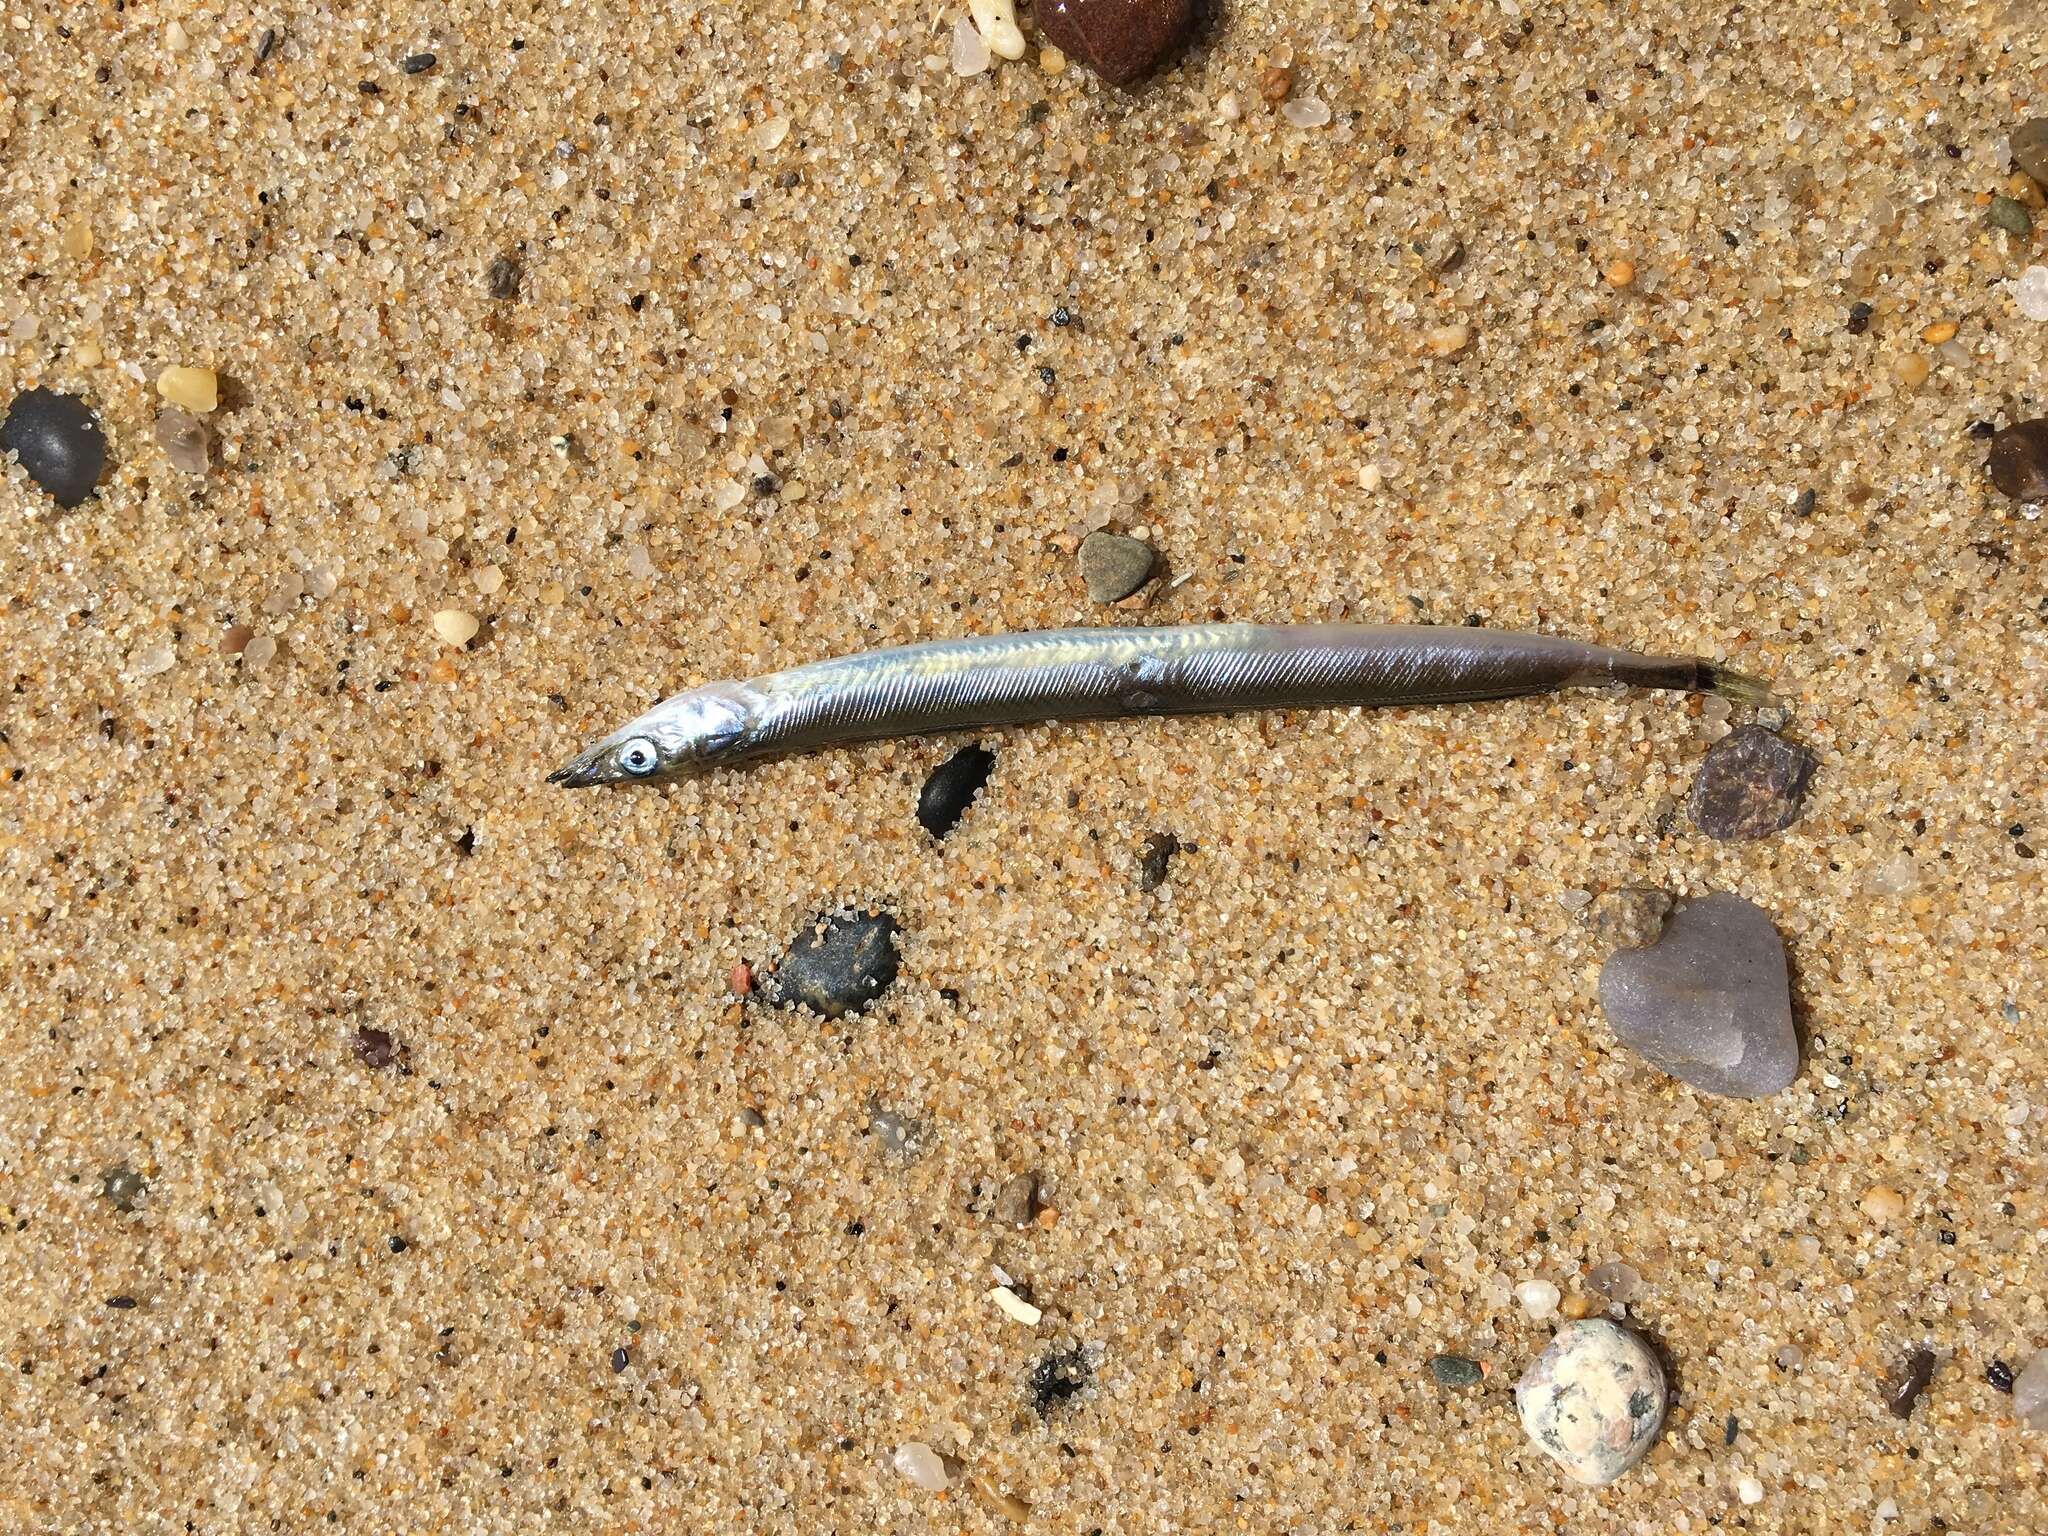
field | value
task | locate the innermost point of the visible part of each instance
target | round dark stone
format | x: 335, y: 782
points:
x: 1751, y: 784
x: 374, y: 1047
x: 1119, y: 39
x: 419, y: 63
x: 59, y: 442
x: 952, y: 788
x: 841, y: 969
x: 620, y: 1360
x: 2019, y: 460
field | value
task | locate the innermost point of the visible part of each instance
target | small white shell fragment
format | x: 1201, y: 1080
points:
x: 1016, y: 1306
x: 455, y: 627
x: 996, y: 21
x: 970, y: 49
x: 1593, y: 1401
x: 918, y: 1463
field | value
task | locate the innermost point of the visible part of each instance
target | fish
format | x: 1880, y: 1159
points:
x: 1109, y: 674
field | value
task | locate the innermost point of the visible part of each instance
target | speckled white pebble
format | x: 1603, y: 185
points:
x: 1593, y: 1401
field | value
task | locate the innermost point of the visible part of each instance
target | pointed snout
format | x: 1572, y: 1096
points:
x: 580, y: 772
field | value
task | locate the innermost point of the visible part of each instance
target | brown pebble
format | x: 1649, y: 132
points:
x: 235, y: 638
x: 1017, y: 1202
x: 1909, y: 1379
x: 2019, y: 460
x: 1119, y: 39
x: 1751, y: 783
x: 1274, y: 85
x: 741, y: 979
x: 1631, y: 918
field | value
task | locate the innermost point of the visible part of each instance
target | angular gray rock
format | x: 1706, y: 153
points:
x: 1709, y: 1002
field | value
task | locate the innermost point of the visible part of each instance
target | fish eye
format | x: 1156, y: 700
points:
x: 638, y: 756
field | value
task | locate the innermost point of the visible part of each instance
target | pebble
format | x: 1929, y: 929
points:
x: 1455, y: 1371
x: 76, y: 241
x: 1121, y: 40
x: 1631, y: 917
x: 1882, y: 1204
x: 840, y: 971
x: 1593, y: 1401
x: 1056, y: 1378
x: 418, y: 63
x: 454, y: 626
x: 58, y: 441
x: 1114, y: 566
x: 894, y: 1131
x: 1908, y: 1380
x: 1017, y: 1202
x: 952, y: 788
x: 185, y: 439
x: 996, y: 20
x: 1912, y: 370
x: 2019, y: 460
x: 374, y: 1047
x: 969, y: 53
x: 1751, y: 783
x: 1616, y: 1281
x: 918, y: 1463
x: 1447, y: 340
x: 191, y: 389
x: 123, y: 1188
x: 2030, y: 148
x: 501, y: 278
x: 1709, y: 1002
x: 1306, y: 112
x: 1539, y: 1298
x: 2010, y: 215
x: 2030, y: 1393
x: 1999, y: 1374
x: 259, y: 652
x: 1750, y: 1491
x: 1153, y: 863
x: 2031, y: 293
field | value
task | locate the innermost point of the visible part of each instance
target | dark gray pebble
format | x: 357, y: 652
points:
x: 1455, y: 1371
x: 1751, y: 784
x: 1160, y: 848
x: 2030, y: 148
x: 123, y: 1188
x: 1710, y: 1001
x: 59, y: 442
x: 2019, y: 460
x: 503, y: 278
x: 620, y: 1360
x: 952, y: 788
x: 1056, y: 1378
x: 1909, y: 1379
x: 841, y: 969
x: 419, y: 63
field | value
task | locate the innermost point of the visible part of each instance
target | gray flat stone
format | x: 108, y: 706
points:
x: 1113, y: 566
x: 1709, y: 1002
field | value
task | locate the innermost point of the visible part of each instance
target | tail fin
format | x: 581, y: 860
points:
x: 1736, y: 687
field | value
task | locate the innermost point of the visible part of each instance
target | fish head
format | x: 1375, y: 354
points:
x: 684, y: 735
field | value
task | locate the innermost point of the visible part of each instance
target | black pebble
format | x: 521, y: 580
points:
x: 1909, y: 1379
x: 1752, y: 783
x: 842, y: 971
x: 952, y: 788
x: 1805, y: 505
x: 2019, y: 460
x: 1160, y: 848
x: 1056, y: 1378
x: 419, y: 64
x: 1859, y: 319
x: 121, y: 1303
x: 1999, y: 1374
x: 375, y: 1047
x: 59, y: 441
x: 620, y: 1360
x: 399, y: 1244
x: 503, y: 278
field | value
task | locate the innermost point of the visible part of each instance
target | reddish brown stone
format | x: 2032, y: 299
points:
x: 1119, y: 39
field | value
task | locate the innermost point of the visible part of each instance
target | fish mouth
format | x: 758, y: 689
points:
x: 581, y: 771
